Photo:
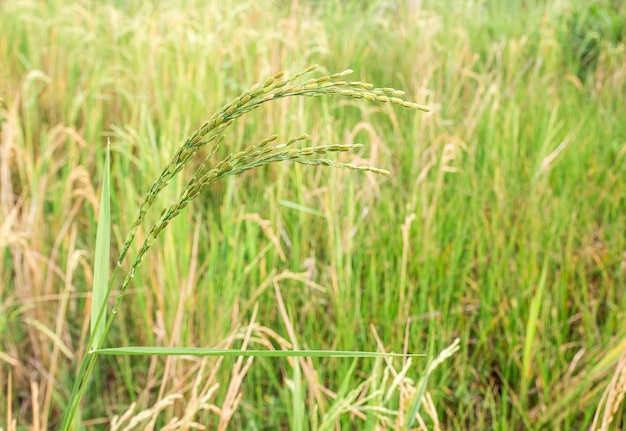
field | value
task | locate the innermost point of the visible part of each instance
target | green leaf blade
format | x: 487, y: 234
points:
x: 101, y: 258
x: 200, y: 351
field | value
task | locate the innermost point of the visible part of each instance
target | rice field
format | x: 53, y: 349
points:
x: 501, y: 224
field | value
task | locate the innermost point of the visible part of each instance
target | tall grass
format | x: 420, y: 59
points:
x: 208, y: 172
x: 502, y: 221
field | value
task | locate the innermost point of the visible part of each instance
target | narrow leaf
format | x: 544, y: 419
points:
x: 101, y: 259
x: 417, y: 399
x: 531, y: 330
x: 200, y: 351
x: 298, y: 398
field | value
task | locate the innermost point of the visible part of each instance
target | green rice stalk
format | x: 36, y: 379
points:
x: 257, y: 155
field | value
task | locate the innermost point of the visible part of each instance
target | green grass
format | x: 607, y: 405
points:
x: 502, y: 222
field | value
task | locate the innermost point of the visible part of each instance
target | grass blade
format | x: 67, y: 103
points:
x: 341, y: 400
x: 531, y: 330
x: 201, y: 351
x: 298, y: 398
x: 101, y: 259
x: 417, y: 401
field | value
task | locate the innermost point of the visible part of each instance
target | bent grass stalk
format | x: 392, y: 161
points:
x: 254, y: 156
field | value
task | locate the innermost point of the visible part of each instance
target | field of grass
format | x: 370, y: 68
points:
x: 502, y: 223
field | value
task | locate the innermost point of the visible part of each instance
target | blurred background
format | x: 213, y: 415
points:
x: 503, y: 222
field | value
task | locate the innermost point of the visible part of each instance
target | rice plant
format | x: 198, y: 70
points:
x: 210, y: 136
x: 502, y: 223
